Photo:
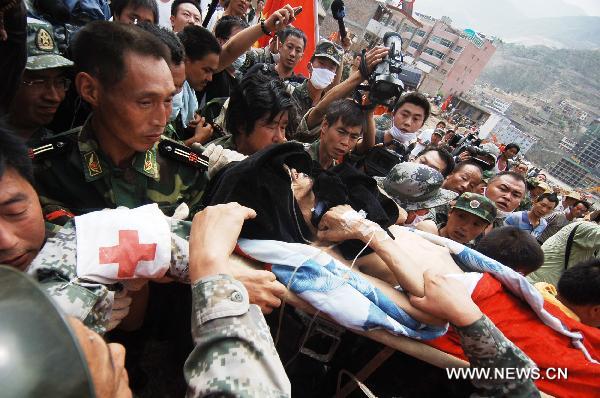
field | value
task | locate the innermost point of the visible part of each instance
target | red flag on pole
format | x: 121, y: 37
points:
x: 307, y: 22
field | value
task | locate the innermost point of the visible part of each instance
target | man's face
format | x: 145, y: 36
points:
x: 521, y: 168
x: 323, y: 63
x: 264, y: 134
x: 106, y: 362
x: 238, y: 7
x: 440, y: 125
x: 36, y: 101
x: 433, y: 160
x: 505, y: 192
x: 22, y: 228
x: 579, y: 210
x: 291, y: 52
x: 409, y: 117
x: 132, y: 14
x: 135, y: 111
x: 568, y: 202
x: 338, y: 139
x: 178, y: 74
x: 464, y: 180
x: 510, y: 153
x: 435, y: 139
x: 542, y: 208
x: 199, y: 73
x: 187, y: 14
x: 463, y: 226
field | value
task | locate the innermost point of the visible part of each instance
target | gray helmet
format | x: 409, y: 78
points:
x: 43, y: 356
x: 415, y: 186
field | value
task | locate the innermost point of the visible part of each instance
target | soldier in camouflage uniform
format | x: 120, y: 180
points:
x: 325, y: 61
x: 115, y: 158
x: 233, y: 353
x: 468, y: 218
x: 43, y: 86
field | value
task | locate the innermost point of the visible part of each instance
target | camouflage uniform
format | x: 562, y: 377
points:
x: 304, y: 134
x: 234, y: 354
x: 256, y: 56
x: 486, y: 347
x: 83, y: 179
x: 226, y: 142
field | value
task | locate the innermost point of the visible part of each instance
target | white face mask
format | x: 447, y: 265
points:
x: 402, y: 136
x: 320, y: 78
x: 276, y: 58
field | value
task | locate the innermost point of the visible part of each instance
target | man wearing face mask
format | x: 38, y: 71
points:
x: 323, y: 67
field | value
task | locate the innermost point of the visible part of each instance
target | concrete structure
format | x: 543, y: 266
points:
x: 471, y: 110
x: 505, y: 132
x: 582, y: 170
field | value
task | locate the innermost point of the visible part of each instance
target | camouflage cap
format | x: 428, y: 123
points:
x: 42, y: 51
x: 327, y: 49
x: 477, y: 205
x: 491, y: 149
x: 415, y: 186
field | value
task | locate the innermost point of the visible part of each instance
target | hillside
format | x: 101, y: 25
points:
x: 553, y: 73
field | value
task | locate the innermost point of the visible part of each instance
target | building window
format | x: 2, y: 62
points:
x: 442, y: 41
x: 458, y: 49
x: 450, y: 60
x: 435, y: 53
x: 444, y: 71
x: 409, y: 29
x: 433, y: 66
x: 420, y: 33
x: 414, y: 44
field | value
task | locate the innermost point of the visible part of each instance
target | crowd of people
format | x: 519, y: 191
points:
x: 147, y: 146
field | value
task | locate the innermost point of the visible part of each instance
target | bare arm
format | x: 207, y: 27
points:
x: 242, y: 41
x: 342, y: 90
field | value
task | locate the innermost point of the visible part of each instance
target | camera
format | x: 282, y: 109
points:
x: 476, y: 154
x: 384, y: 84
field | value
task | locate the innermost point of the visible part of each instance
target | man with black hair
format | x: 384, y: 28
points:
x: 409, y: 115
x: 579, y: 291
x: 437, y: 158
x: 424, y: 138
x: 506, y: 190
x: 341, y: 129
x: 560, y: 219
x: 184, y: 13
x: 134, y: 11
x: 464, y: 177
x: 509, y: 152
x: 113, y: 160
x: 291, y: 50
x: 22, y: 231
x: 512, y: 247
x: 533, y: 220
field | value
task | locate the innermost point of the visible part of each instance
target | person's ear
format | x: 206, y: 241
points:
x: 88, y: 88
x: 310, y: 67
x: 172, y: 19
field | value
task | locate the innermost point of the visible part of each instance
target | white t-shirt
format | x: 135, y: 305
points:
x: 164, y: 13
x: 425, y: 137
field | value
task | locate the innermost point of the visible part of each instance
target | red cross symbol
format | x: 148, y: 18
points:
x: 128, y: 253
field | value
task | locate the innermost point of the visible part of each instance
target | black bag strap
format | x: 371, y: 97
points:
x: 569, y: 245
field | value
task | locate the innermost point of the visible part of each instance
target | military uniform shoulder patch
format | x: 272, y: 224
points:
x: 181, y: 153
x: 92, y: 163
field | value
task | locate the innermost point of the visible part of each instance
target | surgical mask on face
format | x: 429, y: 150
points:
x: 403, y: 137
x: 320, y: 78
x: 276, y: 58
x: 237, y: 64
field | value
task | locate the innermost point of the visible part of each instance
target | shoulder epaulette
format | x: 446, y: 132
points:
x: 181, y: 153
x: 50, y: 147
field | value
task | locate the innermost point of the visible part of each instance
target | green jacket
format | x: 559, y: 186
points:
x: 81, y: 178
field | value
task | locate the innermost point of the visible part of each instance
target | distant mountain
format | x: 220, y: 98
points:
x: 553, y: 73
x: 581, y: 33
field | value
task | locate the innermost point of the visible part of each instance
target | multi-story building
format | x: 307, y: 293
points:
x: 512, y: 134
x: 582, y: 170
x: 451, y: 58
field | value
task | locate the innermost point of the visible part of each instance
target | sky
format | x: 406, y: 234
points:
x: 489, y: 15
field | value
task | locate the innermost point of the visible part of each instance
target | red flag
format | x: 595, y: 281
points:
x: 307, y: 22
x: 446, y: 103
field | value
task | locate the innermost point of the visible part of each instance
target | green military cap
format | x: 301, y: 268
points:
x: 491, y: 149
x: 40, y: 354
x: 42, y: 51
x: 327, y: 49
x: 477, y: 205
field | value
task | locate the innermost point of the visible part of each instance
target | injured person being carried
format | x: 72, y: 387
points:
x: 330, y: 236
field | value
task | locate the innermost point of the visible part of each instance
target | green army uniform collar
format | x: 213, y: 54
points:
x: 314, y: 152
x: 96, y: 166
